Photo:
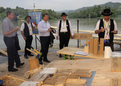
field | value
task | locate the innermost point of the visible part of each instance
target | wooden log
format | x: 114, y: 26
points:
x: 91, y: 45
x: 95, y: 46
x: 61, y: 81
x: 115, y: 82
x: 10, y: 80
x: 30, y: 73
x: 101, y: 46
x: 116, y: 64
x: 33, y: 62
x: 3, y: 52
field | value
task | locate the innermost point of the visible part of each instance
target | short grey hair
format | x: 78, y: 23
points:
x: 9, y: 12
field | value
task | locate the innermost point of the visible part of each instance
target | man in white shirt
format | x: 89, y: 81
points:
x: 64, y: 32
x: 106, y: 28
x: 44, y: 33
x: 26, y: 31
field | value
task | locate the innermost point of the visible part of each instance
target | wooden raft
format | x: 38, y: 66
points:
x: 116, y: 64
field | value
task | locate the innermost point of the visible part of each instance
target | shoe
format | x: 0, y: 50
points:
x: 12, y: 70
x: 40, y: 62
x: 60, y: 56
x: 21, y: 64
x: 47, y: 61
x: 30, y: 55
x: 25, y: 56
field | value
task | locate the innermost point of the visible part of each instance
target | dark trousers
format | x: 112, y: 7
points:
x: 110, y: 44
x: 64, y: 40
x: 17, y: 42
x: 12, y: 52
x: 28, y: 43
x: 44, y: 47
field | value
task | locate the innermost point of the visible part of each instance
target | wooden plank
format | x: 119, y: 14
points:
x: 95, y: 46
x: 82, y: 36
x: 50, y: 71
x: 3, y: 52
x: 76, y: 81
x: 115, y: 82
x: 116, y: 64
x: 30, y: 73
x: 101, y: 46
x: 61, y: 81
x: 33, y: 62
x: 82, y: 73
x: 91, y: 45
x: 73, y: 77
x: 74, y: 84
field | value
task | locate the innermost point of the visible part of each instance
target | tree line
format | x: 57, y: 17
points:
x: 92, y: 12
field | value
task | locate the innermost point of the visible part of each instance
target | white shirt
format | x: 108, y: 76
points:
x: 43, y: 28
x: 107, y: 36
x: 29, y: 26
x: 64, y: 28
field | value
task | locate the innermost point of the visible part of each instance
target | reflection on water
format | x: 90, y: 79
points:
x: 84, y: 24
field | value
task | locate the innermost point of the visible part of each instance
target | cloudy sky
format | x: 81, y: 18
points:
x: 56, y: 5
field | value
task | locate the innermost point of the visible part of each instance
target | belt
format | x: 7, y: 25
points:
x: 63, y: 32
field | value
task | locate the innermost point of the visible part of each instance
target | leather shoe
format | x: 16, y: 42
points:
x: 47, y: 61
x: 40, y: 62
x: 21, y: 64
x: 25, y: 56
x: 12, y: 70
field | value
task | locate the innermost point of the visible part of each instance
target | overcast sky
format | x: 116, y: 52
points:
x: 57, y: 5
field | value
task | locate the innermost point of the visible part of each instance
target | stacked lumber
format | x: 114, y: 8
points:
x: 9, y: 80
x: 30, y: 73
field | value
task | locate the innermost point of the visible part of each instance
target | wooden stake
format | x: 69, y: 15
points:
x: 95, y: 46
x: 101, y: 46
x: 91, y: 45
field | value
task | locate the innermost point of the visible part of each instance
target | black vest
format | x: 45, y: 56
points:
x: 26, y: 29
x: 67, y: 25
x: 101, y: 35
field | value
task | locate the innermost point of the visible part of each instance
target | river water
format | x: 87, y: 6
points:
x: 84, y: 24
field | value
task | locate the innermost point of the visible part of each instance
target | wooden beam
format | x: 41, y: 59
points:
x: 61, y: 81
x: 116, y: 64
x: 91, y: 45
x: 82, y: 36
x: 76, y: 81
x: 115, y: 82
x: 3, y: 52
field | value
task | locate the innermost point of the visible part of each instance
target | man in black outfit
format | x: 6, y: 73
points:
x: 64, y: 32
x: 44, y: 33
x: 9, y: 32
x: 26, y: 31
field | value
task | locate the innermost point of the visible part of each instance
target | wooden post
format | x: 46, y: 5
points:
x: 34, y: 63
x: 91, y: 45
x: 78, y: 32
x: 96, y: 46
x: 101, y: 46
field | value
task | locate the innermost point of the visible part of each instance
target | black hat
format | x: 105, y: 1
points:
x: 107, y: 12
x: 64, y: 14
x: 27, y: 17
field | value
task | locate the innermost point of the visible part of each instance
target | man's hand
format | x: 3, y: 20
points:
x: 49, y: 30
x: 115, y: 32
x: 72, y: 36
x: 16, y: 29
x: 57, y: 37
x: 102, y: 30
x: 24, y: 37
